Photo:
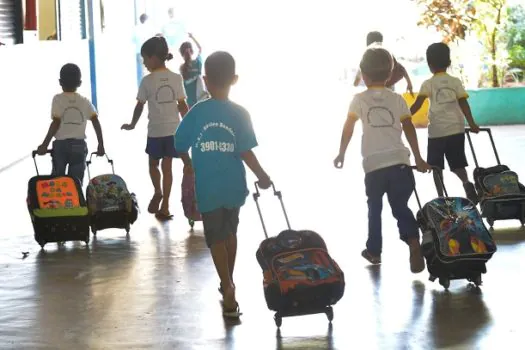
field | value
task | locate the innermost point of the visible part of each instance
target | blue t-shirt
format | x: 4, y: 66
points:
x: 218, y: 132
x: 190, y: 80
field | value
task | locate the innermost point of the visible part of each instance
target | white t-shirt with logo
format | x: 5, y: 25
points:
x: 73, y: 110
x: 162, y: 89
x: 445, y: 116
x: 381, y: 111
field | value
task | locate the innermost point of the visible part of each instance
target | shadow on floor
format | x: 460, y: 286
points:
x: 458, y: 318
x: 305, y: 343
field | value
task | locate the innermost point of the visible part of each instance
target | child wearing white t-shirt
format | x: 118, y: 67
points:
x: 163, y: 90
x: 448, y: 109
x: 70, y: 112
x: 386, y: 161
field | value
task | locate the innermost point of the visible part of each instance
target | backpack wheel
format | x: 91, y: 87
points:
x: 477, y: 280
x: 445, y: 282
x: 329, y: 313
x: 278, y: 319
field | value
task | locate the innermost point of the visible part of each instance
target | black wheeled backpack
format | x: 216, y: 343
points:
x: 299, y: 275
x: 57, y: 208
x: 456, y: 244
x: 502, y: 196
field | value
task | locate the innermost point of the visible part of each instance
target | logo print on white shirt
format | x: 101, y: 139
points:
x: 445, y: 95
x: 73, y: 115
x: 380, y: 117
x: 165, y: 94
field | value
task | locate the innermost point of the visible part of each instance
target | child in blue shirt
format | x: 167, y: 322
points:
x: 221, y: 137
x: 191, y: 71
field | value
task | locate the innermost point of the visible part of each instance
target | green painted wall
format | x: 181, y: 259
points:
x: 498, y: 106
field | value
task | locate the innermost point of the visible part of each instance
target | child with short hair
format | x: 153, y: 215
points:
x: 221, y: 137
x: 70, y: 112
x: 386, y: 160
x: 398, y: 71
x: 164, y: 92
x: 446, y: 129
x: 191, y: 71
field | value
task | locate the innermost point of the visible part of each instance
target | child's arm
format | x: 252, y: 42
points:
x: 53, y: 128
x: 465, y: 108
x: 137, y: 112
x: 98, y: 132
x: 411, y: 135
x: 357, y: 79
x: 424, y: 93
x: 410, y: 88
x: 253, y: 163
x: 196, y: 43
x: 416, y: 106
x: 183, y: 107
x: 348, y: 131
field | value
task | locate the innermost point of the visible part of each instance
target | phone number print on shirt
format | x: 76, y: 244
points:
x: 214, y: 146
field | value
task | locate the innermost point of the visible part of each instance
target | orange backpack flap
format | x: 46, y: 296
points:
x: 57, y: 193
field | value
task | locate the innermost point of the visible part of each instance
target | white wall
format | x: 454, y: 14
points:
x: 29, y: 76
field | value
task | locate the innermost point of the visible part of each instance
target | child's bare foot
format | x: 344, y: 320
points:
x: 417, y: 263
x: 164, y: 213
x: 153, y: 207
x: 230, y: 306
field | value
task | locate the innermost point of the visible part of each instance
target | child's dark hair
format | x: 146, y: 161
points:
x: 184, y: 46
x: 220, y: 69
x: 70, y: 77
x: 158, y: 47
x: 377, y: 64
x: 374, y: 37
x: 438, y: 56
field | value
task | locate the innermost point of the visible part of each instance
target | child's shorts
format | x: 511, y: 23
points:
x: 219, y: 224
x: 452, y: 147
x: 161, y: 147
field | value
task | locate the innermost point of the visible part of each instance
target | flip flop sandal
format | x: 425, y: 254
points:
x: 154, y: 204
x: 232, y: 313
x: 163, y: 217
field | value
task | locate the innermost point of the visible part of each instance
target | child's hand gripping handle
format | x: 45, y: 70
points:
x: 38, y: 152
x: 88, y: 163
x: 435, y: 170
x: 276, y: 193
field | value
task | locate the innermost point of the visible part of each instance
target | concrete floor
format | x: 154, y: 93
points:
x: 157, y: 289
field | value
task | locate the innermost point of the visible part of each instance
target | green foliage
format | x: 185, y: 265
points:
x: 452, y: 18
x: 516, y: 36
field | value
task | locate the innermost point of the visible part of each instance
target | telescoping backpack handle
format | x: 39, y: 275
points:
x: 276, y: 193
x: 110, y: 161
x: 440, y: 176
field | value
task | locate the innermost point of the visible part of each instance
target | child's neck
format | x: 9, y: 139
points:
x: 440, y: 71
x: 160, y: 67
x: 376, y: 85
x: 220, y: 93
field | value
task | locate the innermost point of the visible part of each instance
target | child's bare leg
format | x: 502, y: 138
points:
x: 470, y: 190
x: 167, y: 181
x: 462, y: 174
x: 231, y: 246
x: 221, y: 257
x: 154, y: 174
x: 438, y: 180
